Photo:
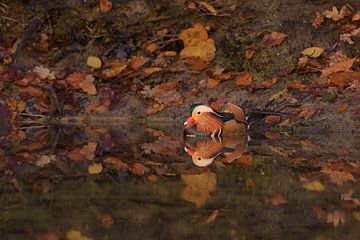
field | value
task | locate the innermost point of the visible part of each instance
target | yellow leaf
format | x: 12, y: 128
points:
x: 192, y: 36
x: 204, y: 49
x: 168, y: 54
x: 313, y: 52
x: 73, y: 235
x: 95, y: 168
x: 314, y: 186
x: 198, y: 187
x: 277, y: 95
x: 93, y: 62
x: 16, y: 105
x: 150, y: 71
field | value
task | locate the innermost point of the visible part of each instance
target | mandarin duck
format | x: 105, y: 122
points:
x: 204, y: 150
x: 204, y: 121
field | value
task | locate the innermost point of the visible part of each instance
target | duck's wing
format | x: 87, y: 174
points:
x: 225, y: 116
x: 209, y: 123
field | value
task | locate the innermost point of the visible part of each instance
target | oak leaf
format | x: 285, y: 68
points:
x: 317, y: 20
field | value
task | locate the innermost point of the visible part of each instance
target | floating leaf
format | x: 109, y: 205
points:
x: 212, y: 217
x: 93, y: 62
x: 313, y: 52
x: 95, y: 168
x: 314, y: 186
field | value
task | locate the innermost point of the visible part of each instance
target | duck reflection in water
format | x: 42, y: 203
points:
x: 205, y: 150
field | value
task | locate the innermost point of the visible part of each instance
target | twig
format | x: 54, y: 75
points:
x: 33, y: 115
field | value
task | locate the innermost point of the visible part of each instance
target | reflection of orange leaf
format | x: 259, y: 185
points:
x: 212, y: 217
x: 16, y: 105
x: 317, y: 20
x: 335, y: 218
x: 356, y: 17
x: 243, y: 79
x: 274, y: 38
x: 87, y: 85
x: 249, y: 53
x: 356, y: 216
x: 105, y: 5
x: 107, y: 221
x: 277, y: 199
x: 168, y: 54
x: 155, y: 108
x: 342, y: 107
x: 198, y: 187
x: 338, y: 177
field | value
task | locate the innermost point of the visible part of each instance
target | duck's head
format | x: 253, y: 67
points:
x: 197, y: 159
x: 197, y: 112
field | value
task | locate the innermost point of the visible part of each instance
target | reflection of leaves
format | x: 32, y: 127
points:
x: 85, y: 153
x: 95, y: 168
x: 277, y: 199
x: 314, y: 186
x: 16, y: 105
x: 198, y: 187
x: 76, y: 235
x: 335, y: 218
x: 138, y: 169
x: 338, y: 177
x: 44, y: 160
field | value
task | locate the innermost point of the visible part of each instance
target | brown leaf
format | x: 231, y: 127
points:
x: 338, y: 177
x: 107, y: 220
x: 212, y: 217
x: 296, y: 85
x: 75, y: 155
x: 342, y: 107
x: 277, y: 199
x: 356, y: 216
x: 151, y: 47
x: 308, y: 111
x: 274, y: 38
x: 88, y: 150
x: 317, y: 20
x: 208, y: 7
x: 196, y: 63
x: 150, y: 71
x: 337, y: 15
x: 335, y: 218
x: 249, y: 53
x: 75, y: 79
x: 155, y: 108
x: 34, y: 92
x: 269, y: 83
x: 105, y: 5
x: 340, y: 66
x: 244, y: 79
x: 87, y: 85
x: 271, y: 119
x: 356, y: 17
x: 218, y: 103
x: 113, y: 69
x: 138, y: 169
x: 342, y: 79
x: 211, y: 83
x: 245, y: 160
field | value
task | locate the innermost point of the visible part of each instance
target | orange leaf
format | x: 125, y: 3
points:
x: 137, y: 62
x: 152, y: 47
x: 340, y: 66
x: 113, y: 69
x: 138, y: 169
x: 245, y: 160
x: 34, y: 92
x: 75, y: 79
x: 243, y: 79
x: 196, y: 63
x: 105, y: 5
x: 150, y: 71
x: 192, y: 36
x: 341, y: 79
x: 274, y: 38
x: 87, y: 85
x: 208, y: 7
x: 16, y: 105
x: 168, y: 54
x: 317, y: 20
x: 296, y: 85
x: 356, y: 17
x: 342, y: 107
x: 269, y: 83
x: 107, y: 220
x: 249, y: 53
x: 272, y: 119
x: 211, y: 83
x: 277, y: 199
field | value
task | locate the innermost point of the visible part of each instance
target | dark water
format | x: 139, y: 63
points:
x: 138, y: 182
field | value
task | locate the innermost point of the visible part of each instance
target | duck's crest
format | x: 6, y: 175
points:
x: 191, y: 109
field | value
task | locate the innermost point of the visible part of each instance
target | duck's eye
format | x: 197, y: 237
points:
x: 198, y: 113
x: 199, y: 158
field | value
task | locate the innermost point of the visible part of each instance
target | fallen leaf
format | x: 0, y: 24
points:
x: 244, y: 79
x: 274, y: 38
x: 271, y: 119
x: 87, y: 85
x: 342, y: 107
x: 314, y: 186
x: 269, y: 83
x: 93, y: 62
x: 277, y: 199
x: 105, y: 5
x: 340, y: 66
x: 88, y: 150
x: 137, y: 62
x: 208, y: 7
x: 217, y: 104
x: 196, y: 63
x: 95, y: 168
x: 152, y: 178
x: 308, y: 111
x: 151, y: 47
x: 150, y: 71
x: 249, y: 53
x: 342, y: 79
x: 356, y: 17
x: 198, y: 187
x: 192, y: 36
x: 277, y: 95
x: 211, y: 83
x: 44, y: 160
x: 16, y: 105
x: 113, y: 69
x: 164, y: 93
x: 245, y: 160
x: 335, y: 218
x: 313, y: 52
x: 296, y: 85
x: 212, y: 217
x: 138, y: 169
x: 317, y: 20
x: 337, y: 15
x: 356, y: 216
x: 34, y: 92
x: 168, y: 54
x: 44, y: 73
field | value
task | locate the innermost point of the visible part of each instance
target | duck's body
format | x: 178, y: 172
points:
x: 204, y: 121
